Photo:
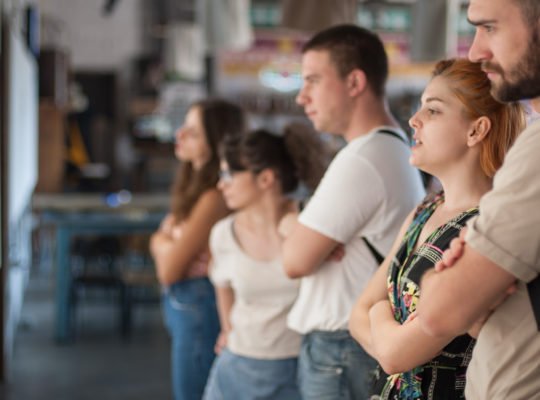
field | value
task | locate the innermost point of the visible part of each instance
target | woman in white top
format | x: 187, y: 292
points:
x: 257, y: 352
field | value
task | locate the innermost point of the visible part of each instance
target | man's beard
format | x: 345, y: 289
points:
x: 523, y: 81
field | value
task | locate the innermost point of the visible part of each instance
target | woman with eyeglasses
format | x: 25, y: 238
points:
x: 180, y: 246
x: 256, y: 351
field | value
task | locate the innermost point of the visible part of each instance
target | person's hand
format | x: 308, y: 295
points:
x: 337, y: 253
x: 167, y: 224
x: 176, y: 231
x: 411, y: 317
x: 453, y: 253
x: 221, y: 342
x: 449, y: 258
x: 159, y: 242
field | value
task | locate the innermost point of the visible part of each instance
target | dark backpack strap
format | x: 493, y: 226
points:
x: 378, y: 256
x: 533, y: 287
x: 392, y: 133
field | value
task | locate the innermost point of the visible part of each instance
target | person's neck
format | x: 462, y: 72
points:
x: 197, y: 165
x: 463, y: 189
x: 264, y: 214
x: 369, y: 115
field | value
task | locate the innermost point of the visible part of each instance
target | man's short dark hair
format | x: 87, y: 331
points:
x: 352, y: 47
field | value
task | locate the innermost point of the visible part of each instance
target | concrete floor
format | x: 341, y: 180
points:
x: 99, y: 364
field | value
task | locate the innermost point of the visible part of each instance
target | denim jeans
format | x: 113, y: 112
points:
x: 193, y: 324
x: 235, y: 377
x: 333, y: 366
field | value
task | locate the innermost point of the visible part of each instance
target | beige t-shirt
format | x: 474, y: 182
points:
x: 506, y: 359
x: 263, y: 297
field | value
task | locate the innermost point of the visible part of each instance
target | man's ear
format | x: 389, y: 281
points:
x: 266, y: 178
x: 479, y: 130
x: 356, y: 82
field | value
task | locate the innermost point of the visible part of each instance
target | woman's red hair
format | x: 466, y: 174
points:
x: 472, y: 87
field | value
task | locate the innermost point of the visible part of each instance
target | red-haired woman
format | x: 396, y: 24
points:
x: 462, y: 134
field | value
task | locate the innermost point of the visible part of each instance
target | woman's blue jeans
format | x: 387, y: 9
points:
x: 193, y: 324
x: 234, y: 377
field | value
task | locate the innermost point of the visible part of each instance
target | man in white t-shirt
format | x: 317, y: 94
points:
x: 503, y: 242
x: 366, y: 193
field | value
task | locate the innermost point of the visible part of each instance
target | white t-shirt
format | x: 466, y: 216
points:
x: 263, y: 293
x: 368, y: 190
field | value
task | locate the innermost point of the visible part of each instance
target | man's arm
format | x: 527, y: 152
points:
x: 304, y: 250
x: 329, y: 213
x: 452, y: 300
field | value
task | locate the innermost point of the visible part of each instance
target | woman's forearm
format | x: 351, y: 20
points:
x: 161, y: 245
x: 401, y: 347
x: 375, y: 291
x: 359, y: 326
x: 174, y: 261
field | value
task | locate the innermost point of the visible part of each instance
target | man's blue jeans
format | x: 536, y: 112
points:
x: 193, y: 324
x: 333, y: 366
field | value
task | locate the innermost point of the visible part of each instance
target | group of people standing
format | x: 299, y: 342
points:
x: 372, y: 290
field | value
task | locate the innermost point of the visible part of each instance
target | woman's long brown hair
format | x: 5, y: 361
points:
x: 219, y: 119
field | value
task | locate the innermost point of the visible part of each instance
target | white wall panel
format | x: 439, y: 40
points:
x: 22, y: 127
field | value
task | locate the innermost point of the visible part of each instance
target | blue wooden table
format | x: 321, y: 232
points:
x: 75, y: 214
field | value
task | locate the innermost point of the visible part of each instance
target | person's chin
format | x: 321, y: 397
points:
x: 414, y: 161
x: 498, y: 91
x: 231, y: 205
x: 314, y: 122
x: 321, y: 127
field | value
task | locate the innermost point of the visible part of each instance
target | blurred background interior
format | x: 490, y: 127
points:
x: 91, y: 92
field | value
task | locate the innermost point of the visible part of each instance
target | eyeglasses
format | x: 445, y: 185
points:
x: 226, y: 175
